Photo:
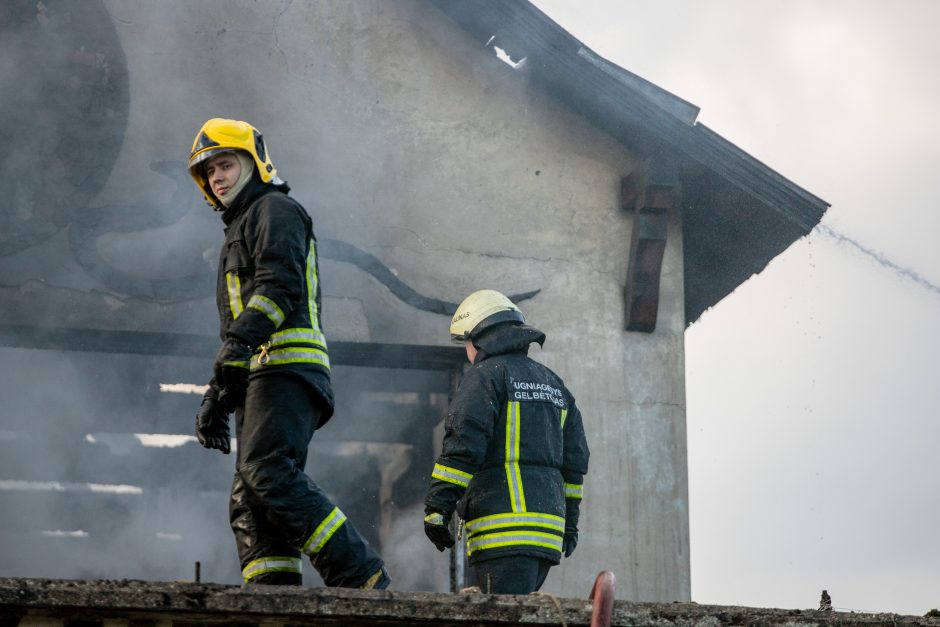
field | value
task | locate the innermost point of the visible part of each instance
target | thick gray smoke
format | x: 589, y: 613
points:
x: 97, y: 232
x: 86, y: 493
x: 82, y: 496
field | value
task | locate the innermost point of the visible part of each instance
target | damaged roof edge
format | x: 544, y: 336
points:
x: 624, y: 104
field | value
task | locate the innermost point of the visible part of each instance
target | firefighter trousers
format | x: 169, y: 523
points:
x: 512, y: 574
x: 276, y: 511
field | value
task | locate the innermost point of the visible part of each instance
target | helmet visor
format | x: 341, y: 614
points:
x: 204, y: 156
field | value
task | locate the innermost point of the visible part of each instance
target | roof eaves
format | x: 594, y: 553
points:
x: 685, y: 111
x: 755, y: 178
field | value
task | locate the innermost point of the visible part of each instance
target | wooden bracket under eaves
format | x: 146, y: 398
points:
x: 650, y: 199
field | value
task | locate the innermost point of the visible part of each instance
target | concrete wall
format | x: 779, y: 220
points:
x: 410, y: 141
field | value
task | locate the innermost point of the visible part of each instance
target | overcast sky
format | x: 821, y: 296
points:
x: 813, y: 390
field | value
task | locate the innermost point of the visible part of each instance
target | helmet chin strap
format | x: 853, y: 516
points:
x: 247, y: 168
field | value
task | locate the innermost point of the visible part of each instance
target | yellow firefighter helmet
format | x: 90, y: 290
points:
x: 218, y: 136
x: 479, y: 311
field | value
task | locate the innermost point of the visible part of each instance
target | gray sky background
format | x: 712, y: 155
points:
x: 813, y: 389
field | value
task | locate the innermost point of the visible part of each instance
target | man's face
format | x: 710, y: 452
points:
x: 471, y: 350
x: 222, y: 173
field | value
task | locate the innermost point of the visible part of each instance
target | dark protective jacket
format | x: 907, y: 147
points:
x: 268, y: 288
x: 269, y: 298
x: 514, y: 454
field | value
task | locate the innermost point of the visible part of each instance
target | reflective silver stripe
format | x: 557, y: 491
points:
x: 313, y: 284
x: 293, y: 336
x: 292, y: 355
x: 574, y: 490
x: 513, y: 476
x: 451, y: 475
x: 528, y: 519
x: 234, y: 293
x: 564, y: 417
x: 271, y: 565
x: 324, y: 532
x: 514, y: 538
x: 268, y: 307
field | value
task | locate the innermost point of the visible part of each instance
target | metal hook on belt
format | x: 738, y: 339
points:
x: 264, y: 357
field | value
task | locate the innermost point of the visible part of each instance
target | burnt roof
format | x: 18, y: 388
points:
x: 738, y: 214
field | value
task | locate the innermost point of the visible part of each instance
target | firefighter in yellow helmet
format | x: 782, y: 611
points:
x: 273, y: 369
x: 514, y: 453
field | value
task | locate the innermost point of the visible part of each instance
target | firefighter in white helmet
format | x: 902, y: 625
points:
x: 273, y: 369
x: 514, y: 453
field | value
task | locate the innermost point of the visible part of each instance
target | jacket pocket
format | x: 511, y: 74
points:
x: 237, y: 258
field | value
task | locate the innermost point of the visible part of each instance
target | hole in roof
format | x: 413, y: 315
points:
x: 503, y: 56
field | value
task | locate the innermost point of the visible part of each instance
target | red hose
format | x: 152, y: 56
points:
x: 603, y: 596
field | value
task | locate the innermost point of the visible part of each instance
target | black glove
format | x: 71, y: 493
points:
x: 230, y: 369
x: 569, y: 543
x: 437, y: 529
x: 212, y: 425
x: 572, y: 513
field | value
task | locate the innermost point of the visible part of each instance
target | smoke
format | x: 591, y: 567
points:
x: 58, y: 66
x: 100, y: 476
x: 101, y: 228
x: 84, y: 496
x: 374, y: 460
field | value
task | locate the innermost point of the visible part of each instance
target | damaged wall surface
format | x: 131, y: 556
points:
x: 431, y: 169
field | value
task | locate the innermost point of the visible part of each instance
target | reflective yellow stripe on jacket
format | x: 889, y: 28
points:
x: 451, y: 475
x: 313, y: 283
x: 234, y: 286
x: 298, y: 336
x: 268, y: 307
x: 514, y: 538
x: 513, y: 475
x: 525, y: 519
x: 574, y: 490
x: 291, y: 355
x: 283, y: 348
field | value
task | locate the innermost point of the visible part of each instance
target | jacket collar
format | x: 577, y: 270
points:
x: 507, y: 338
x: 251, y: 192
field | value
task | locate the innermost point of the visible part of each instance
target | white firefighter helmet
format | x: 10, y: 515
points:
x: 479, y: 311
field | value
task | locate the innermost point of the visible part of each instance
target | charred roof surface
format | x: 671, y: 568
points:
x: 738, y: 214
